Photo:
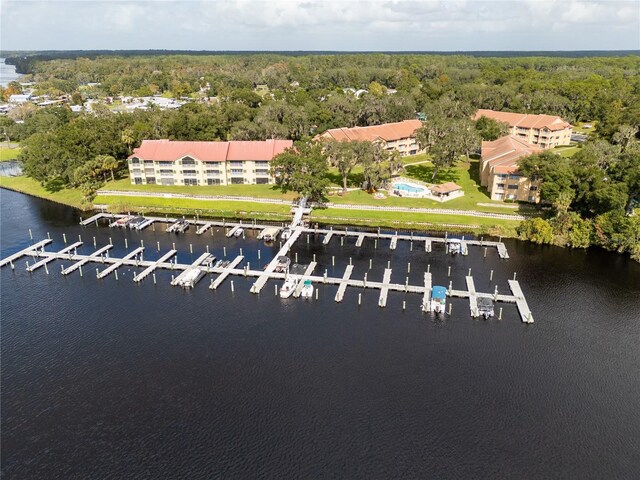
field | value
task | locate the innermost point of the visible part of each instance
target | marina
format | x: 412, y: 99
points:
x: 277, y: 269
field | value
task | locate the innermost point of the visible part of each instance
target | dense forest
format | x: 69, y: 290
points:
x: 302, y: 95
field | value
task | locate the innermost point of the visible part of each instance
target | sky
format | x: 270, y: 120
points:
x: 345, y: 25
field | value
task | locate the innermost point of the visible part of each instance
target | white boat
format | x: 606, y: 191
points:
x: 191, y: 278
x: 307, y: 289
x: 438, y: 299
x: 288, y: 287
x: 455, y: 246
x: 238, y: 232
x: 286, y: 234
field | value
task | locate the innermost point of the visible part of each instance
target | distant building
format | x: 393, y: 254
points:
x: 19, y: 98
x: 399, y: 136
x: 547, y: 131
x: 166, y: 162
x: 499, y: 170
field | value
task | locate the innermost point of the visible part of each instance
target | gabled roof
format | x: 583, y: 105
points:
x: 551, y: 122
x: 387, y: 131
x: 168, y: 150
x: 502, y: 155
x: 445, y: 188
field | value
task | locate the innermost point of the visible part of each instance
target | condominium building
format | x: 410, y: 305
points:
x: 499, y: 170
x: 166, y: 162
x: 547, y: 131
x: 398, y: 136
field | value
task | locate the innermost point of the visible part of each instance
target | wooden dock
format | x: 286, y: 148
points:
x: 233, y: 231
x: 327, y: 237
x: 426, y: 296
x: 359, y: 240
x: 226, y: 271
x: 86, y: 259
x: 384, y: 291
x: 145, y: 224
x: 94, y: 218
x: 25, y: 251
x: 111, y: 268
x: 521, y: 302
x: 305, y: 276
x: 46, y: 260
x: 427, y: 245
x: 502, y: 250
x: 473, y: 298
x: 464, y: 248
x: 343, y: 283
x: 195, y: 265
x: 394, y: 242
x: 142, y: 275
x: 204, y: 228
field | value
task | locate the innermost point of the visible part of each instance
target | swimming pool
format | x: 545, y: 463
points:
x: 409, y: 188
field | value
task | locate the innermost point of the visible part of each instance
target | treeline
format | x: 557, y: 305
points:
x: 594, y: 196
x: 603, y: 89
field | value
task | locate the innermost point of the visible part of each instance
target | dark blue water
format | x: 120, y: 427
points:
x: 107, y: 379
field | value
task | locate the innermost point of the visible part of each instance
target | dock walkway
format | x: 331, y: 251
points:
x: 523, y: 308
x: 426, y: 297
x: 195, y: 265
x: 120, y: 262
x: 204, y: 228
x: 142, y: 275
x: 305, y: 276
x: 473, y: 298
x: 343, y: 283
x: 262, y: 279
x: 225, y: 272
x: 384, y: 291
x: 46, y: 260
x: 25, y: 251
x: 86, y: 259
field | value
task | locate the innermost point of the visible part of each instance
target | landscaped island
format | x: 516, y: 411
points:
x: 422, y: 141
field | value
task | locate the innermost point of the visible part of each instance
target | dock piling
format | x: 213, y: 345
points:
x: 314, y: 257
x: 154, y: 278
x: 46, y: 269
x: 64, y: 237
x: 142, y: 243
x: 207, y: 248
x: 296, y: 257
x: 449, y: 309
x: 316, y: 294
x: 491, y: 276
x: 449, y: 271
x: 48, y: 235
x: 95, y: 245
x: 350, y: 261
x: 409, y: 267
x: 110, y: 241
x: 224, y: 252
x: 116, y: 274
x: 241, y: 251
x: 80, y: 269
x: 428, y: 268
x: 79, y: 238
x: 173, y: 245
x: 333, y: 260
x: 126, y: 243
x: 469, y: 273
x: 191, y: 248
x: 500, y: 314
x: 370, y: 263
x: 97, y: 273
x: 359, y: 298
x: 158, y: 245
x: 232, y: 289
x: 388, y: 263
x: 30, y: 234
x: 485, y: 251
x: 404, y: 305
x: 514, y: 275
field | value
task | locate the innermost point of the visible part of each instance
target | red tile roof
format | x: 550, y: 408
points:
x: 388, y: 132
x: 445, y: 188
x: 503, y: 154
x: 168, y: 150
x: 523, y: 120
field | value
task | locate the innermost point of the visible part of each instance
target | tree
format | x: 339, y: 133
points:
x: 446, y: 139
x: 128, y: 137
x: 490, y: 129
x: 302, y: 169
x: 378, y: 165
x: 537, y: 230
x: 344, y: 156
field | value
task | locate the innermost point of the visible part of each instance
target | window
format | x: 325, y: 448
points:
x: 151, y: 180
x: 167, y: 181
x: 413, y: 152
x: 213, y: 181
x: 166, y: 172
x: 237, y: 181
x: 166, y: 164
x: 533, y: 188
x: 235, y: 163
x: 191, y: 181
x: 188, y: 161
x: 189, y: 172
x: 514, y: 177
x: 498, y: 196
x: 501, y: 176
x: 512, y: 187
x: 135, y: 160
x: 213, y: 172
x: 236, y: 171
x: 149, y: 171
x: 262, y: 181
x: 262, y: 164
x: 500, y: 185
x: 262, y: 171
x: 532, y: 199
x: 148, y: 162
x: 137, y: 181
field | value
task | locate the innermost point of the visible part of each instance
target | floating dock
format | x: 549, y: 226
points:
x: 426, y: 296
x: 344, y: 283
x: 187, y: 272
x: 120, y: 262
x: 225, y: 272
x: 204, y: 228
x: 394, y: 242
x: 26, y: 251
x: 310, y: 268
x: 46, y: 260
x: 473, y: 298
x: 359, y: 240
x: 233, y: 231
x: 86, y: 259
x: 327, y: 237
x: 142, y: 275
x: 523, y: 308
x: 384, y: 291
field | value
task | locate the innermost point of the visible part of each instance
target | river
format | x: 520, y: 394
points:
x: 7, y: 73
x: 110, y: 379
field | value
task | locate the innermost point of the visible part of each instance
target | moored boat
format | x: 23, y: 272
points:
x: 438, y: 299
x: 288, y: 287
x: 307, y: 289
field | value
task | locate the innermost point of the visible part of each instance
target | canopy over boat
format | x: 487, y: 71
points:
x: 438, y: 292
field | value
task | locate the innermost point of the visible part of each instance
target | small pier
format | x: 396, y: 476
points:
x: 225, y: 272
x: 178, y: 226
x: 327, y: 237
x: 233, y: 231
x: 119, y: 262
x: 145, y: 224
x: 523, y: 308
x: 427, y: 245
x: 473, y: 298
x: 464, y: 248
x: 141, y: 276
x: 262, y: 279
x: 204, y: 258
x: 426, y: 296
x: 94, y: 218
x: 202, y: 229
x: 394, y: 242
x: 86, y: 259
x: 344, y: 283
x: 502, y: 250
x: 26, y: 251
x: 359, y: 240
x: 46, y: 260
x: 305, y: 276
x: 384, y: 291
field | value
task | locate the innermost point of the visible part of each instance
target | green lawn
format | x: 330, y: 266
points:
x: 211, y: 207
x: 263, y: 191
x: 567, y: 151
x: 9, y: 153
x: 68, y: 196
x: 579, y: 127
